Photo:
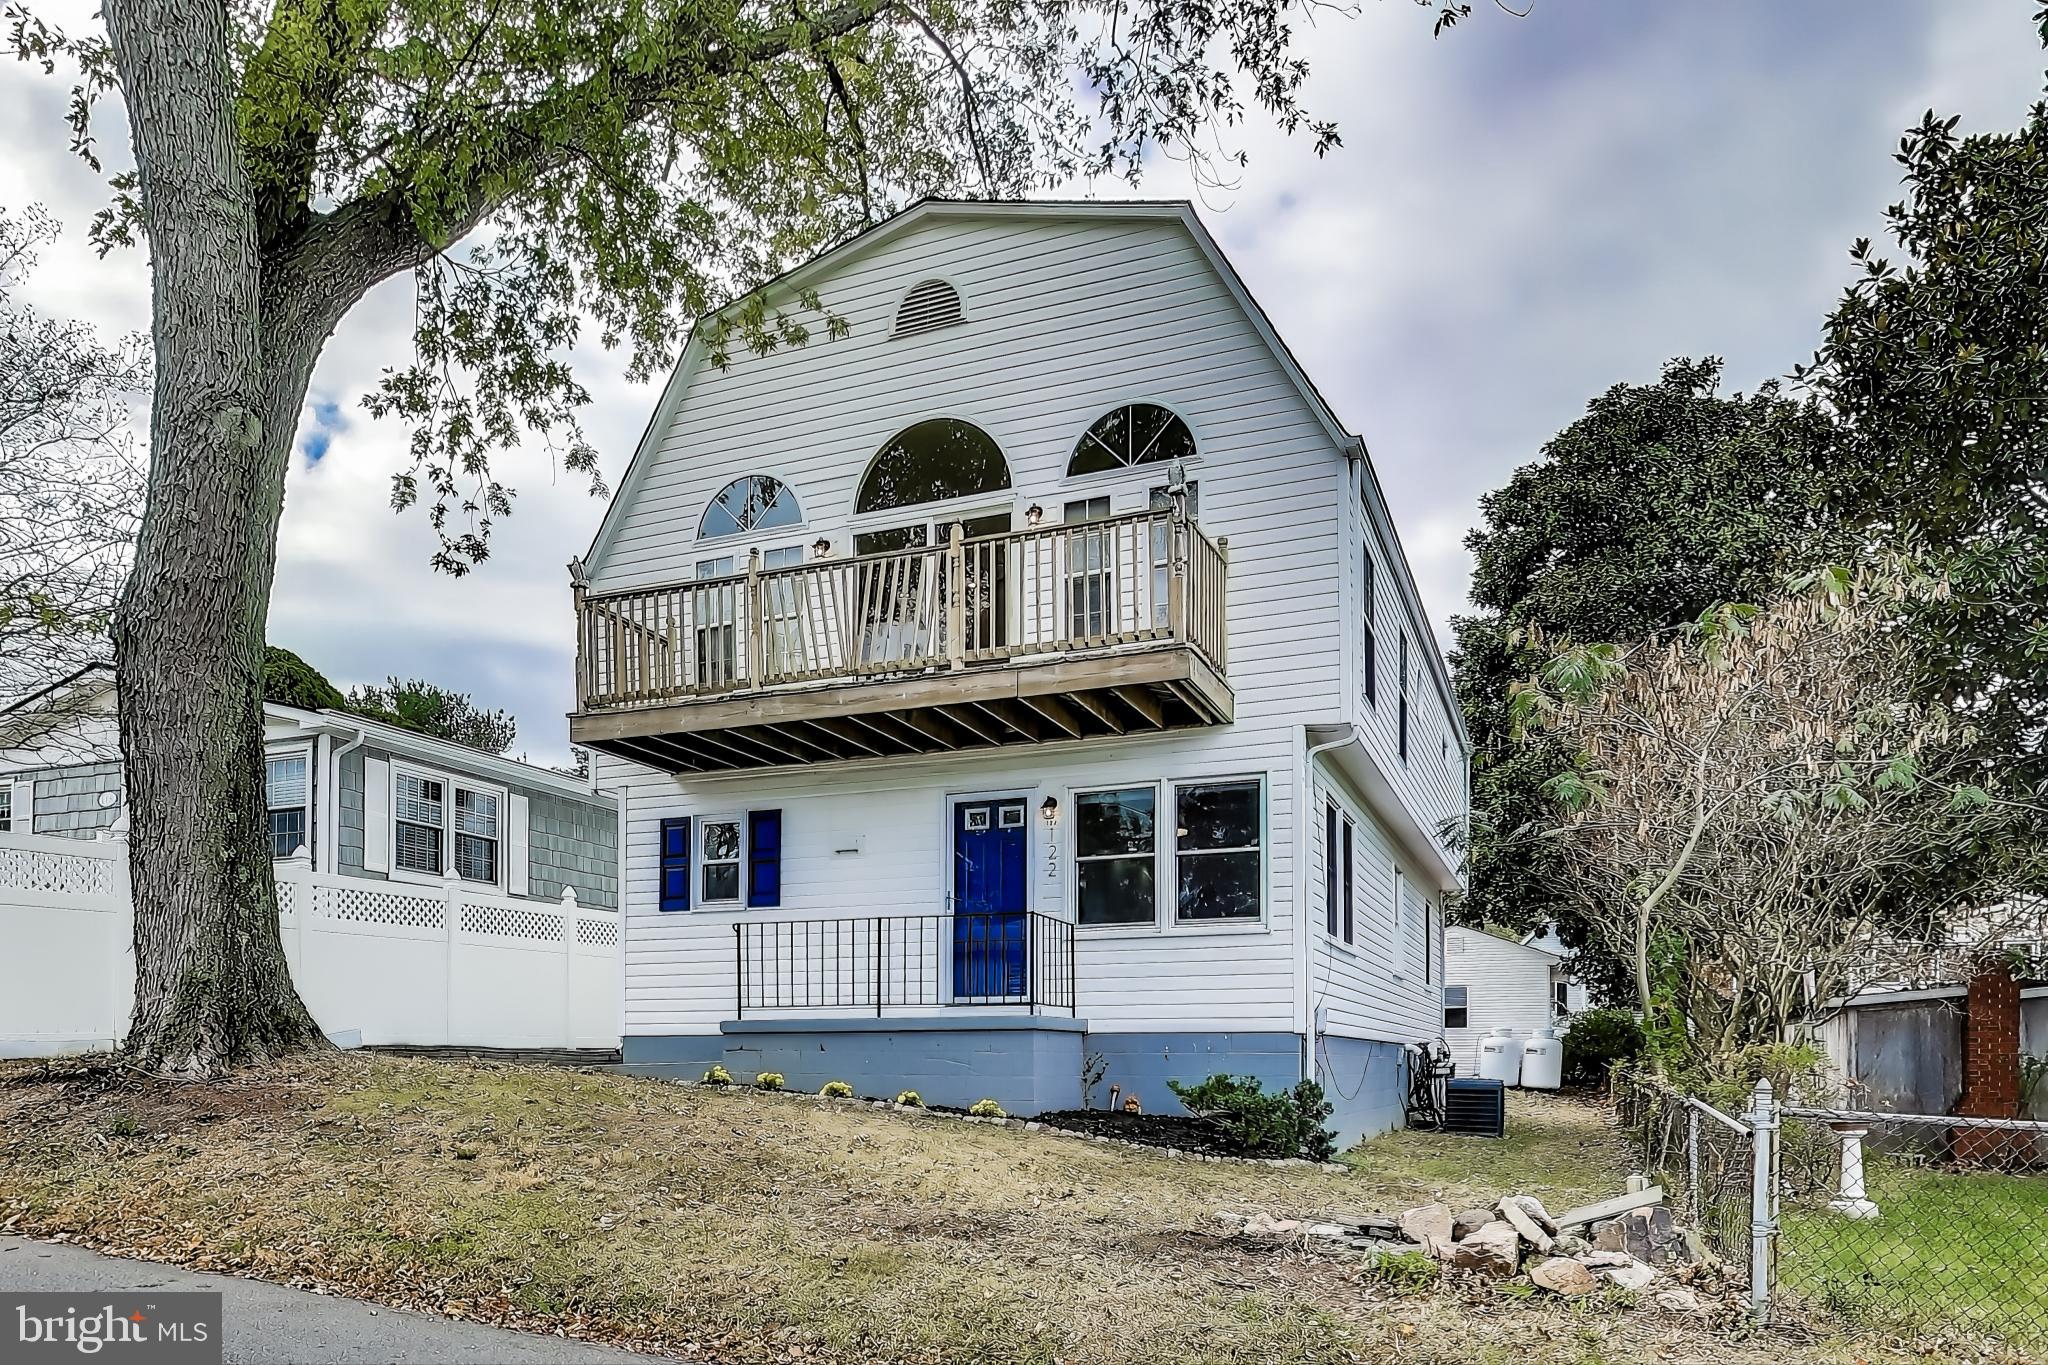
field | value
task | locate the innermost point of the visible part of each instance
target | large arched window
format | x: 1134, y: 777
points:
x: 755, y: 503
x: 932, y: 461
x: 1134, y: 434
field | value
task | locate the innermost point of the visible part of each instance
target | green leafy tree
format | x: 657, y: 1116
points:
x: 290, y: 681
x: 623, y: 168
x: 1661, y: 501
x: 436, y: 711
x: 1938, y: 364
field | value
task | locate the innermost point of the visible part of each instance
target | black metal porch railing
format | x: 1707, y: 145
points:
x: 1019, y: 958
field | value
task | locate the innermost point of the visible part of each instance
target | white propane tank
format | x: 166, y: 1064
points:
x: 1500, y: 1057
x: 1543, y: 1061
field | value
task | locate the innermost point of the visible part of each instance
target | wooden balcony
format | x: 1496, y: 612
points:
x: 1107, y: 627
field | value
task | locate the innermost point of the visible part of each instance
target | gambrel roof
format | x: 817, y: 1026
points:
x: 695, y: 360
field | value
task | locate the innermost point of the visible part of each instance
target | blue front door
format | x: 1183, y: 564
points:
x: 989, y: 853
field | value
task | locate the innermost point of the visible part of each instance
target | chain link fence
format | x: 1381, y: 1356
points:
x: 1914, y: 1225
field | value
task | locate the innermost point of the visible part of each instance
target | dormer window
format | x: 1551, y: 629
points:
x: 929, y: 305
x: 1134, y: 434
x: 755, y: 503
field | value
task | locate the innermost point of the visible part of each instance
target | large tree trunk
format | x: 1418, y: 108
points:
x: 212, y: 988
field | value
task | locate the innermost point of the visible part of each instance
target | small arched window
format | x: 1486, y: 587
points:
x: 1134, y: 434
x: 755, y: 503
x: 930, y: 304
x: 937, y: 459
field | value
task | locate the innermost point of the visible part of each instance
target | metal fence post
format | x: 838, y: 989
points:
x: 1763, y: 1228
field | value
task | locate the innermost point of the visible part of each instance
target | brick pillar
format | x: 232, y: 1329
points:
x: 1991, y: 1059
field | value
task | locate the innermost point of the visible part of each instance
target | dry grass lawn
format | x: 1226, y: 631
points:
x: 744, y: 1227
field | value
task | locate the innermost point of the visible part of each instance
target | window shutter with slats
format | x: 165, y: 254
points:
x: 675, y: 865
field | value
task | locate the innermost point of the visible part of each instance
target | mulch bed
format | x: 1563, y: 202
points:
x: 1154, y: 1130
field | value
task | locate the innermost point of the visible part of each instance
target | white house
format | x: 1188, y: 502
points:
x: 1022, y: 677
x: 430, y: 893
x: 1492, y: 981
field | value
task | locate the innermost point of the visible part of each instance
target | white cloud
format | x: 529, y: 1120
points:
x: 1523, y: 213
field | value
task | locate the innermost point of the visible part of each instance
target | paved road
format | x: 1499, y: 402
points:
x: 268, y: 1324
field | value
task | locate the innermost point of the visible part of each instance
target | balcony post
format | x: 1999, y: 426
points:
x: 956, y: 598
x: 576, y: 587
x: 1177, y: 561
x: 755, y: 617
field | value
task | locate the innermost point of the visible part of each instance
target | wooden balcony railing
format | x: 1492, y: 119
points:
x: 1128, y: 580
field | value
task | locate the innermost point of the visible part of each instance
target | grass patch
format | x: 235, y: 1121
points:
x: 742, y: 1226
x: 1951, y: 1249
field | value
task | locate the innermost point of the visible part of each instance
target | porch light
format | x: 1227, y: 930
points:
x: 1049, y: 810
x: 1033, y: 515
x: 821, y: 548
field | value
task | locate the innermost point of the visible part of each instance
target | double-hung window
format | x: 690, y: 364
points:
x: 419, y: 809
x: 6, y: 807
x: 719, y: 856
x: 284, y: 793
x: 1116, y: 856
x: 1456, y: 1010
x: 1219, y: 850
x: 1370, y: 593
x: 1403, y: 722
x: 439, y: 823
x: 1089, y: 555
x: 1339, y: 898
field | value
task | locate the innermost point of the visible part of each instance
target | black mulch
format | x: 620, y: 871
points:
x: 1154, y: 1130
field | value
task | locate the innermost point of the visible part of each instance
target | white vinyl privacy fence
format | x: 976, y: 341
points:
x: 437, y: 964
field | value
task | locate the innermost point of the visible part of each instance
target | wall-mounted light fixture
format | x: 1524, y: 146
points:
x: 822, y: 548
x: 1033, y: 514
x: 1049, y: 810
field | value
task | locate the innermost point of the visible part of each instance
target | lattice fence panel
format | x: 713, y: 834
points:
x: 512, y: 921
x: 65, y: 874
x: 597, y: 933
x: 368, y: 905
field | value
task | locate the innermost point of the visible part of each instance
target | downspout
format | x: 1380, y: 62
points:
x: 1304, y: 822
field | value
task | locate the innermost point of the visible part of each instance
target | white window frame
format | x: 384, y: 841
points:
x: 302, y: 750
x: 1265, y: 851
x: 1465, y: 1004
x: 449, y: 783
x: 7, y: 818
x: 698, y: 862
x: 1160, y: 874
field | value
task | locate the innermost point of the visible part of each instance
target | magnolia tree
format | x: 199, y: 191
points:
x: 1757, y: 798
x: 617, y: 170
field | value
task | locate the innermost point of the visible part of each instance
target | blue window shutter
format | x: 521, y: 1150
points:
x: 764, y: 858
x: 675, y: 865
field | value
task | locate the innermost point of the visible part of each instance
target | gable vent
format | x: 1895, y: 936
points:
x: 929, y: 305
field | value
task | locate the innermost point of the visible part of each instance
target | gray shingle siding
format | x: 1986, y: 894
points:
x: 569, y: 841
x: 575, y: 843
x: 67, y: 800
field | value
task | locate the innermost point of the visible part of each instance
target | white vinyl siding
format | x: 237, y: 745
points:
x: 1507, y: 985
x: 1070, y: 319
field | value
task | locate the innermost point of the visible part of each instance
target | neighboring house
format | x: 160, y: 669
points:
x: 1492, y: 981
x: 428, y: 893
x: 1028, y: 679
x: 355, y: 796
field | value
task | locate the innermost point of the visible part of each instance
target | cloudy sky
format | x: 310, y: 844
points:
x: 1525, y: 212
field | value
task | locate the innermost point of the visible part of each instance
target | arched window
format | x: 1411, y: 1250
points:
x: 1134, y: 434
x: 755, y: 503
x: 940, y: 458
x: 929, y: 304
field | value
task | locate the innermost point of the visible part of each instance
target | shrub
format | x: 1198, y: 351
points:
x: 911, y: 1098
x: 837, y: 1090
x: 717, y: 1075
x: 987, y: 1109
x: 1405, y: 1269
x: 1598, y: 1041
x: 768, y: 1080
x: 1284, y: 1123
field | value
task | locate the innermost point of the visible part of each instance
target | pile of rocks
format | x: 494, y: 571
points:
x: 1630, y: 1242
